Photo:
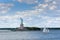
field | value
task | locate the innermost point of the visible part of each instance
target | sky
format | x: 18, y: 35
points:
x: 35, y: 13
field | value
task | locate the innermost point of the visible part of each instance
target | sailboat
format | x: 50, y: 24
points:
x: 45, y: 30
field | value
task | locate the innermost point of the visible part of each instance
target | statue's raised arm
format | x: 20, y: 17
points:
x: 21, y: 20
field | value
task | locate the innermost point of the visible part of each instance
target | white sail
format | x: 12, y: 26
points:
x: 45, y: 30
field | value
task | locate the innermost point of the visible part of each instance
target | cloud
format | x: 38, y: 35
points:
x: 49, y: 7
x: 28, y: 13
x: 54, y: 2
x: 9, y: 21
x: 47, y: 0
x: 52, y: 7
x: 47, y: 20
x: 55, y: 22
x: 28, y: 1
x: 36, y: 17
x: 57, y: 1
x: 6, y: 4
x: 5, y: 7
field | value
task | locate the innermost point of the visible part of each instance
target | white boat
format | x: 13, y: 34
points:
x: 45, y: 30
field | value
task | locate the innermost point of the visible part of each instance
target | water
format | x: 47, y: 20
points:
x: 30, y: 35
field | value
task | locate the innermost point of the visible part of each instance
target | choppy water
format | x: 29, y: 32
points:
x: 30, y: 35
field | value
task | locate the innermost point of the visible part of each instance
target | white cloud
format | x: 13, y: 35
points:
x: 9, y: 21
x: 5, y: 7
x: 3, y: 11
x: 28, y: 1
x: 48, y: 21
x: 44, y: 5
x: 47, y: 0
x: 52, y: 7
x: 29, y: 13
x: 29, y: 19
x: 13, y: 20
x: 54, y: 2
x: 6, y: 4
x: 38, y: 9
x: 57, y: 1
x: 41, y: 6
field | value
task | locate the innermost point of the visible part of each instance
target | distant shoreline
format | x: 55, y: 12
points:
x: 28, y: 29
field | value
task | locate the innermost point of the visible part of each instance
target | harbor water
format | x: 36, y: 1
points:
x: 29, y: 35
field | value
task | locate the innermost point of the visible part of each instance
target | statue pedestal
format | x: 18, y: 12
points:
x: 21, y: 26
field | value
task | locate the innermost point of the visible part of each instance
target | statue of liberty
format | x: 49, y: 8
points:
x: 21, y: 25
x: 21, y: 20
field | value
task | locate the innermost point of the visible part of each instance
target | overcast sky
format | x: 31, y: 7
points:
x: 37, y: 13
